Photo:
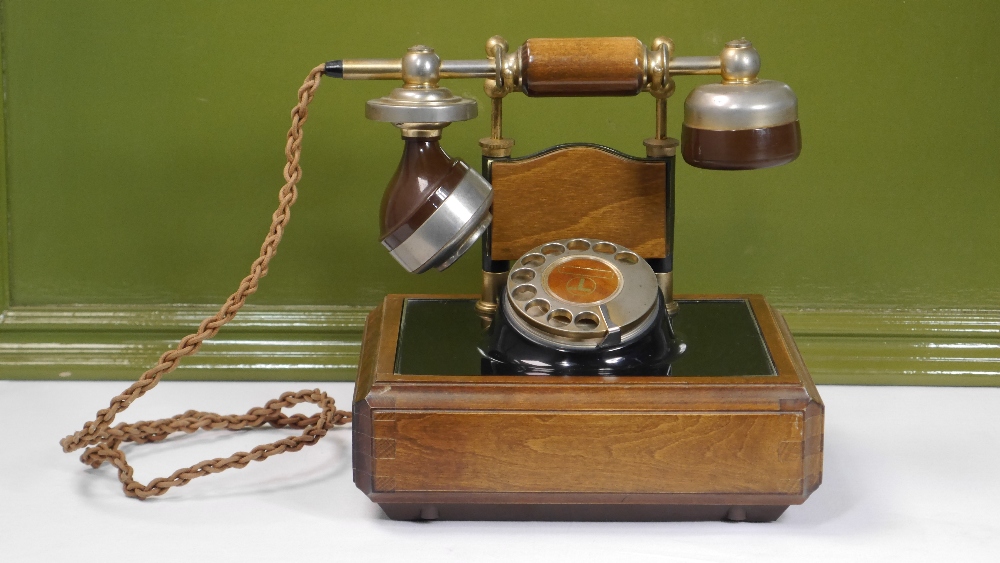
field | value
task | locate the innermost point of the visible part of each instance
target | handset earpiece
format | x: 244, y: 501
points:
x: 435, y: 207
x: 743, y: 123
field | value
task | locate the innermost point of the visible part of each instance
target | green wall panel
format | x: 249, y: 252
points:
x: 144, y: 144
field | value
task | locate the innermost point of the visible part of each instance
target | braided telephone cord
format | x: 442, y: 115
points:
x: 105, y: 440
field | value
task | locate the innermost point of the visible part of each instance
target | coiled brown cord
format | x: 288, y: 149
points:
x: 105, y: 440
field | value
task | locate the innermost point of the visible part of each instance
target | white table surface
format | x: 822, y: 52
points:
x: 911, y: 474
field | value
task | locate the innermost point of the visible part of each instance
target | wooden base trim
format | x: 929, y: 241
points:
x: 583, y: 512
x: 322, y: 343
x: 565, y: 498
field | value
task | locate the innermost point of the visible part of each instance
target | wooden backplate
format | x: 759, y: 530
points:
x: 579, y: 190
x: 550, y: 447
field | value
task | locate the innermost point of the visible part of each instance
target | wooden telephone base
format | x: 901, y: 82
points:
x: 734, y: 432
x: 435, y: 439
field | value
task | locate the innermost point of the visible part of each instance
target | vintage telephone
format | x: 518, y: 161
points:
x: 575, y: 385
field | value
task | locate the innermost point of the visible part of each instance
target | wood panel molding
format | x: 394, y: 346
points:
x: 321, y: 343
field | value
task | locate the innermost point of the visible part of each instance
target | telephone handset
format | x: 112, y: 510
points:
x: 596, y: 301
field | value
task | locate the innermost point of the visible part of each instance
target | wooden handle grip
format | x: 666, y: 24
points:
x: 592, y: 66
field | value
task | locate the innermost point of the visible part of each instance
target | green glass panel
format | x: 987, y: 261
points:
x: 720, y: 338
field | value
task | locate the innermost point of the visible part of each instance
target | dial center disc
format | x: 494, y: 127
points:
x: 582, y: 280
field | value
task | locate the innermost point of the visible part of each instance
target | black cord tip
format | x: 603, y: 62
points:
x: 334, y: 69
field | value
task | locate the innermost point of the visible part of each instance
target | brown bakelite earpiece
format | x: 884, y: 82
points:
x: 743, y: 123
x: 423, y: 180
x: 435, y: 207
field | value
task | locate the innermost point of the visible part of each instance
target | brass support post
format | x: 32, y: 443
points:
x: 489, y: 301
x: 661, y: 86
x: 661, y: 118
x: 496, y: 87
x: 496, y: 118
x: 666, y: 283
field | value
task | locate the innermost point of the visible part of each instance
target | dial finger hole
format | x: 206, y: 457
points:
x: 560, y: 317
x: 605, y: 248
x: 523, y: 275
x: 553, y: 249
x: 586, y: 321
x: 627, y: 258
x: 537, y: 307
x: 533, y: 260
x: 523, y: 293
x: 578, y: 244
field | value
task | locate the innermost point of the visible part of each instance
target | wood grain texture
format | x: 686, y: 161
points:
x: 589, y: 66
x: 370, y: 341
x: 579, y: 190
x: 361, y: 422
x: 591, y: 452
x: 812, y: 444
x: 587, y: 448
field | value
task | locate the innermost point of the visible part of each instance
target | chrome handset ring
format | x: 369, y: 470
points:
x: 581, y: 294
